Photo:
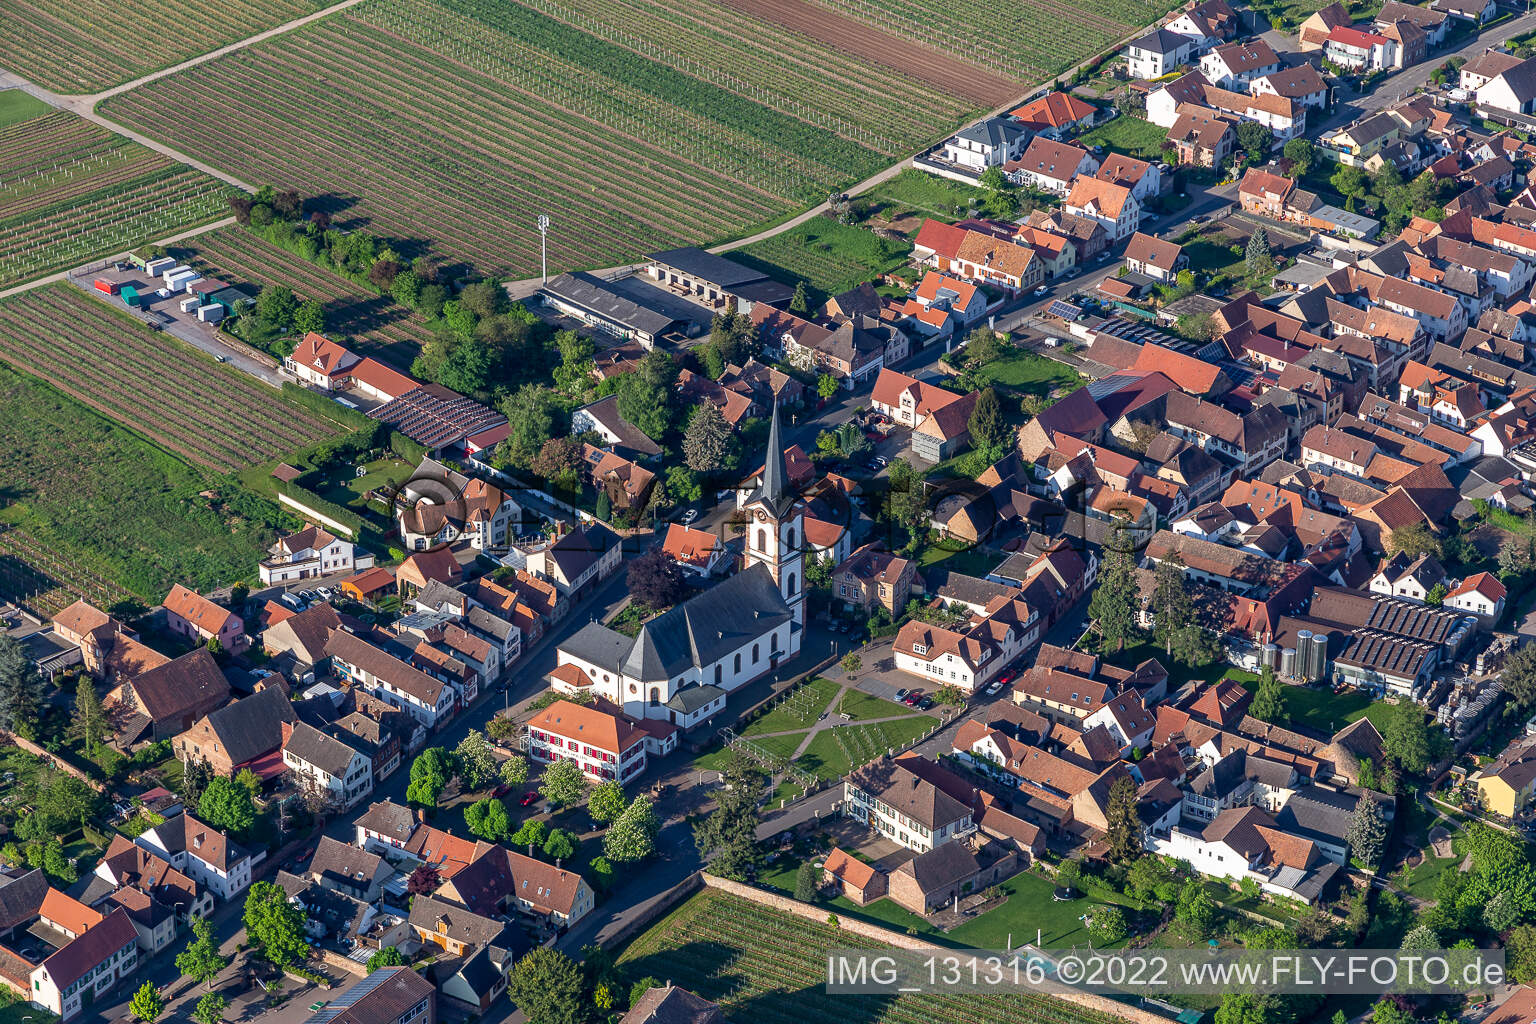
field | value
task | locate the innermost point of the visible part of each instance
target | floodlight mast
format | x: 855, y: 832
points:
x: 544, y: 248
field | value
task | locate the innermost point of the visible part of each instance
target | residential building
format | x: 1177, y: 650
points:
x: 1234, y: 65
x: 579, y: 560
x: 1157, y: 53
x: 427, y: 700
x: 205, y: 854
x: 1158, y: 259
x: 194, y: 616
x: 165, y: 700
x: 892, y: 800
x: 499, y: 881
x: 1480, y: 594
x: 1202, y: 136
x: 95, y: 958
x: 871, y: 577
x: 1357, y: 49
x: 310, y: 552
x: 1505, y: 786
x: 1054, y: 113
x: 479, y: 514
x: 696, y: 552
x: 603, y: 417
x: 327, y: 767
x: 389, y: 995
x: 1050, y: 165
x: 990, y: 142
x: 1110, y: 204
x: 240, y: 735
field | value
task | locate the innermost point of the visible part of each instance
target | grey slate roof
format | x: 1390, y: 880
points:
x: 774, y: 493
x: 942, y: 866
x: 487, y: 624
x: 596, y: 297
x: 388, y: 819
x: 324, y: 752
x: 1161, y: 41
x: 20, y: 898
x: 671, y: 1005
x: 707, y: 266
x: 701, y: 630
x: 1317, y: 814
x: 690, y: 699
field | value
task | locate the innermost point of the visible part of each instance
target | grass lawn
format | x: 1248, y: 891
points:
x: 1030, y: 908
x: 1125, y: 134
x: 1320, y: 709
x: 350, y: 489
x: 1422, y: 880
x: 1030, y: 372
x: 829, y: 257
x: 15, y: 106
x: 859, y: 705
x: 1178, y: 672
x: 966, y: 560
x: 914, y: 191
x: 800, y: 711
x: 835, y: 752
x: 1213, y: 257
x: 1377, y: 711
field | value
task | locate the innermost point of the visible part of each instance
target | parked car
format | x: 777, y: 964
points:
x: 926, y: 703
x: 994, y: 688
x: 1042, y: 290
x: 901, y: 694
x: 325, y: 592
x: 528, y: 798
x: 690, y: 515
x: 164, y: 293
x: 911, y: 699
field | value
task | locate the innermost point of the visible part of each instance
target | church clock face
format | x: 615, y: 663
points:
x: 762, y: 515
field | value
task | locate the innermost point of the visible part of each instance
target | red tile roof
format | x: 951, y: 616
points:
x: 1054, y: 110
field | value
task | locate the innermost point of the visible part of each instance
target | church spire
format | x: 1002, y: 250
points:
x: 774, y: 473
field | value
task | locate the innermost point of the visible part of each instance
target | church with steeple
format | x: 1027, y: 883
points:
x: 775, y: 527
x: 683, y: 663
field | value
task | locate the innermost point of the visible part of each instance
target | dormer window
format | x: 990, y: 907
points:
x: 919, y: 648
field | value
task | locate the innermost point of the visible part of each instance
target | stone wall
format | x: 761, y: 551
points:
x: 53, y: 759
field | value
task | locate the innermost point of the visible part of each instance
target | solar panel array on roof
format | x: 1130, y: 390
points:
x: 347, y: 999
x: 1064, y: 309
x: 434, y: 416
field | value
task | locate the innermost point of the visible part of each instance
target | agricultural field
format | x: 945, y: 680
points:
x: 93, y: 510
x: 1027, y: 42
x: 71, y: 190
x: 87, y: 45
x: 770, y: 967
x: 171, y: 394
x: 681, y: 137
x: 829, y: 257
x: 369, y: 320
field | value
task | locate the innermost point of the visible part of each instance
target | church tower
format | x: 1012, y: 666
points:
x: 776, y: 526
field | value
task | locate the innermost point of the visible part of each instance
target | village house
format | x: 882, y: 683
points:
x: 1201, y: 136
x: 325, y: 766
x: 1157, y: 53
x: 1159, y: 259
x: 1111, y: 205
x: 697, y: 552
x: 1234, y: 65
x: 100, y: 952
x: 427, y: 700
x: 311, y: 552
x: 242, y: 734
x: 1050, y: 165
x: 205, y: 854
x: 990, y: 142
x: 194, y: 616
x: 165, y: 700
x: 1054, y: 113
x: 871, y: 577
x: 578, y: 560
x: 892, y: 800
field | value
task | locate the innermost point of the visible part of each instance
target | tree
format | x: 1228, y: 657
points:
x: 655, y: 580
x: 1350, y: 181
x: 563, y: 784
x: 276, y: 307
x: 646, y: 394
x: 1255, y: 139
x: 201, y: 961
x: 1250, y: 1008
x: 559, y: 460
x: 1070, y: 874
x: 852, y: 662
x: 1501, y: 913
x: 1367, y: 832
x: 1257, y: 258
x: 1406, y: 737
x: 1520, y: 953
x: 1172, y: 608
x: 476, y: 760
x: 633, y: 836
x: 195, y: 776
x: 488, y: 819
x: 604, y: 507
x: 988, y: 429
x: 1123, y: 833
x: 531, y: 834
x: 423, y: 881
x: 274, y: 924
x: 389, y: 956
x: 1268, y: 703
x: 309, y: 318
x: 514, y: 770
x: 601, y: 870
x: 249, y: 781
x: 707, y: 441
x: 806, y: 877
x: 147, y: 1004
x: 1519, y: 676
x: 430, y: 773
x: 90, y: 723
x: 826, y: 385
x: 727, y: 838
x: 982, y: 346
x: 800, y: 302
x: 1414, y: 540
x: 1300, y: 153
x: 906, y: 502
x: 210, y: 1008
x: 21, y: 688
x: 530, y: 412
x: 1195, y: 909
x: 606, y: 801
x: 1106, y: 925
x: 227, y: 805
x: 548, y: 987
x: 559, y: 846
x: 1116, y: 598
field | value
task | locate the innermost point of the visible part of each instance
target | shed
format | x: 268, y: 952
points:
x: 129, y: 295
x: 211, y: 313
x: 156, y: 267
x: 231, y: 299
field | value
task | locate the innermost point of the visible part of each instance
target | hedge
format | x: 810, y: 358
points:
x: 407, y: 449
x: 331, y: 409
x: 329, y: 509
